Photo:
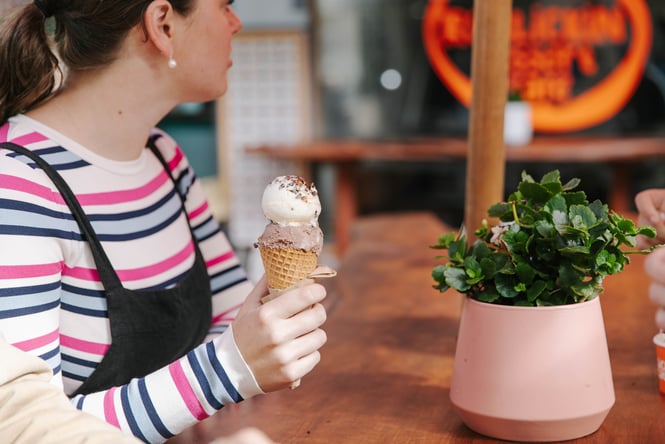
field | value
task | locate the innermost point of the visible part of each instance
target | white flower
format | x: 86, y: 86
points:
x: 498, y: 230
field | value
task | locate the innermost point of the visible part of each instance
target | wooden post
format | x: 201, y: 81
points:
x: 485, y: 170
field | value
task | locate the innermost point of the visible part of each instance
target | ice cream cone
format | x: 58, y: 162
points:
x: 284, y: 267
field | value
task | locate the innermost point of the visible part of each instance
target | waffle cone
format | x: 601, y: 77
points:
x: 285, y: 267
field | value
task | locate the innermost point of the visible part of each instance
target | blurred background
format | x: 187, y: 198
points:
x: 359, y: 69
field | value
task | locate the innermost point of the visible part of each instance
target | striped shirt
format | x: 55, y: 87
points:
x: 52, y: 303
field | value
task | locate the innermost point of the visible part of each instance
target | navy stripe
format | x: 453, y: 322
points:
x: 136, y: 213
x: 56, y: 149
x: 84, y: 311
x: 48, y: 355
x: 221, y: 373
x: 225, y: 271
x: 206, y: 229
x: 182, y: 184
x: 31, y: 289
x: 152, y: 413
x: 129, y: 415
x: 166, y: 284
x: 43, y: 232
x: 138, y: 234
x: 231, y: 284
x: 79, y: 361
x: 203, y: 381
x: 31, y: 208
x: 74, y: 376
x: 83, y: 291
x: 6, y: 314
x: 68, y: 166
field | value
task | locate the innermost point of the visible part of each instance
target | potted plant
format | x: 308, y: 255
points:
x: 532, y: 362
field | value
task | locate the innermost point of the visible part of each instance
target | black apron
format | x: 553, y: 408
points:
x: 149, y: 328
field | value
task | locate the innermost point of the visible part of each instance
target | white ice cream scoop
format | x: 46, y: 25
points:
x: 290, y: 200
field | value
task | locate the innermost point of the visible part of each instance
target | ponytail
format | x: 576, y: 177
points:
x: 28, y: 67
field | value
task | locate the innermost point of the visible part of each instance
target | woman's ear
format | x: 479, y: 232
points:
x: 159, y: 26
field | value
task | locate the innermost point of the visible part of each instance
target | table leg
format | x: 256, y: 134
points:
x: 619, y: 195
x: 346, y: 205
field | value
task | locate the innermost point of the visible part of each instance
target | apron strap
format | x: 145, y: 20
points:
x: 106, y: 272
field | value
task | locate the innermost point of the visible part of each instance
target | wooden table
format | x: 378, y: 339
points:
x: 619, y: 153
x: 386, y: 369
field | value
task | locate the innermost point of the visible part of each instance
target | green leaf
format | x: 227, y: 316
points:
x: 535, y: 192
x: 525, y: 272
x: 499, y: 210
x: 572, y: 184
x: 553, y: 176
x: 505, y: 285
x: 576, y: 198
x: 488, y: 294
x: 581, y: 216
x: 535, y: 290
x: 457, y: 250
x: 456, y: 278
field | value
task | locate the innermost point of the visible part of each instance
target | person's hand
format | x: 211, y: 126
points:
x: 651, y: 207
x: 655, y: 269
x: 249, y: 435
x: 280, y: 340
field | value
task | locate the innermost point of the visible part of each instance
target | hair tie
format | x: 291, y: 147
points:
x: 43, y: 8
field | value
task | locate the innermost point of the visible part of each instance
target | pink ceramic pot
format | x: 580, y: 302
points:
x: 532, y: 373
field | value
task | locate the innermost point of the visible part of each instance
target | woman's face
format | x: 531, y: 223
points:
x: 203, y: 53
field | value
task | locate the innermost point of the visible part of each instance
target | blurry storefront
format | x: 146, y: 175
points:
x: 396, y: 69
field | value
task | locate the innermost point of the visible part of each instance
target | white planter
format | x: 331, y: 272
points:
x: 532, y: 374
x: 517, y: 123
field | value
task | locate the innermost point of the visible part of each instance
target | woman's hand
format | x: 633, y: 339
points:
x: 651, y: 205
x: 280, y: 340
x: 655, y: 269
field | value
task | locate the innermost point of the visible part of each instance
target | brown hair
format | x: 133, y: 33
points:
x: 86, y: 35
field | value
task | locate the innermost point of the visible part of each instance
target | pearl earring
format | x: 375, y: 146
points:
x: 172, y: 63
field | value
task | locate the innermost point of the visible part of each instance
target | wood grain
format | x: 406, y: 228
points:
x: 385, y: 372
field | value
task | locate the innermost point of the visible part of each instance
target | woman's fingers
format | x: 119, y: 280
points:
x: 294, y: 301
x: 300, y: 347
x: 280, y: 339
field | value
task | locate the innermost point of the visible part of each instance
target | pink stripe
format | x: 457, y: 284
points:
x: 29, y: 138
x: 29, y: 271
x: 109, y: 408
x: 158, y: 268
x: 84, y: 274
x: 113, y: 197
x: 35, y: 343
x: 224, y: 257
x: 4, y: 132
x: 173, y: 163
x: 26, y: 186
x: 89, y: 274
x: 186, y: 392
x: 224, y: 316
x: 94, y: 348
x: 198, y: 211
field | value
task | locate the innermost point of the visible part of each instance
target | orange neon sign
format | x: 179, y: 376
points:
x: 553, y: 58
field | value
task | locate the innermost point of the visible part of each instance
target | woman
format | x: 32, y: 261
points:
x: 112, y: 268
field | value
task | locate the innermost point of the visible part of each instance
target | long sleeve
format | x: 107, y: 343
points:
x: 162, y: 404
